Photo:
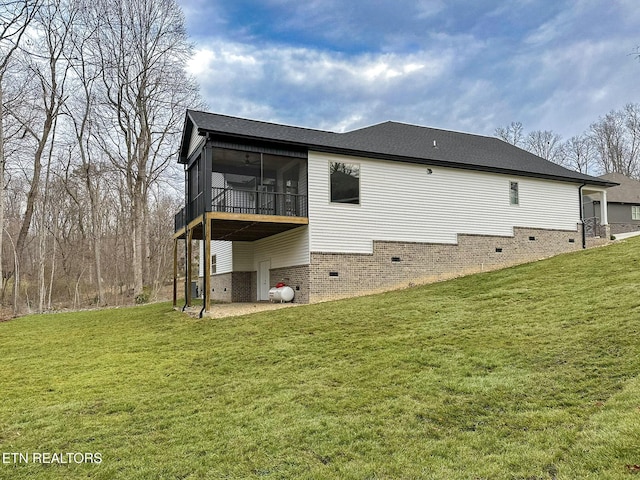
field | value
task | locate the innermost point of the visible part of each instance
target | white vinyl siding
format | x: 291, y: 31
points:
x: 285, y: 249
x: 415, y: 203
x: 222, y: 251
x: 243, y: 257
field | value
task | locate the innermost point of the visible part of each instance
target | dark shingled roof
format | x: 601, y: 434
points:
x: 393, y: 141
x: 628, y: 190
x: 212, y: 122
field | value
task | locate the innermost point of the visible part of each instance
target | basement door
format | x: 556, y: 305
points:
x: 263, y: 279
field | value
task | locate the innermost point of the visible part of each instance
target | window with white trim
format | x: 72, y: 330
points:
x: 635, y: 212
x: 514, y: 197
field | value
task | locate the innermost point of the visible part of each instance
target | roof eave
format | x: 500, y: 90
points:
x: 254, y: 139
x: 186, y: 138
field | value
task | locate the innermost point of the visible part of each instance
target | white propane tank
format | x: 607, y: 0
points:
x: 281, y: 294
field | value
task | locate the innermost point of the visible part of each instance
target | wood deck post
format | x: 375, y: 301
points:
x: 188, y: 268
x: 175, y: 272
x: 206, y: 225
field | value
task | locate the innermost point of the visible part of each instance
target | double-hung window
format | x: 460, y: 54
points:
x: 635, y: 212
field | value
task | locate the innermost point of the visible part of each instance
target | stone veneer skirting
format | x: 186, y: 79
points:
x: 398, y: 264
x: 623, y: 227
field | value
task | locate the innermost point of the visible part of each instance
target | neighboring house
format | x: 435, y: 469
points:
x: 342, y: 214
x: 623, y: 205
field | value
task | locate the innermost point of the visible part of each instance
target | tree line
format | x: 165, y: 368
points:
x: 92, y: 102
x: 610, y: 145
x: 92, y: 95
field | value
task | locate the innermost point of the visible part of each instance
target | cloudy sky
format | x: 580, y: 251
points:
x: 466, y: 65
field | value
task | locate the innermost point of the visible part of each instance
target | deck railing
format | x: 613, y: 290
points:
x: 180, y: 219
x: 244, y: 201
x: 258, y: 202
x: 592, y: 227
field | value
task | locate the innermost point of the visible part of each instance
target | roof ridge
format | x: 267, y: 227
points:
x: 423, y: 127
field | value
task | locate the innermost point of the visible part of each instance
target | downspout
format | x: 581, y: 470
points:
x: 204, y: 305
x: 187, y: 273
x: 206, y: 257
x: 584, y: 234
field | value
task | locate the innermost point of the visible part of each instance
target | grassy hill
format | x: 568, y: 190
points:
x: 526, y: 373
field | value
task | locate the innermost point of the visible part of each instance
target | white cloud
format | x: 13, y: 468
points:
x: 429, y: 8
x: 200, y: 61
x: 236, y: 68
x: 561, y: 74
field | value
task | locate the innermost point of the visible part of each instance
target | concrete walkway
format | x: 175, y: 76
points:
x: 622, y: 236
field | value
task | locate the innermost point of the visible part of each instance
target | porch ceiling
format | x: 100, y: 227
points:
x: 246, y: 228
x: 592, y: 191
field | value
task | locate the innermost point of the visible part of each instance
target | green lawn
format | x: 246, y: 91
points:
x: 526, y: 373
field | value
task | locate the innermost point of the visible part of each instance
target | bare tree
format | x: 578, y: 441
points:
x: 579, y: 154
x: 92, y: 110
x: 513, y: 133
x: 80, y: 109
x: 546, y: 144
x: 15, y: 17
x: 143, y: 48
x: 162, y: 206
x: 37, y: 117
x: 632, y: 124
x: 616, y: 137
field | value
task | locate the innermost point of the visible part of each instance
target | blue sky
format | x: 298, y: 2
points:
x: 462, y: 65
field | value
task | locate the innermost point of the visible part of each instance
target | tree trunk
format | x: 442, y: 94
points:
x: 53, y: 267
x: 137, y: 221
x: 31, y: 200
x: 147, y: 250
x: 98, y: 264
x: 2, y: 195
x: 42, y: 237
x: 96, y: 232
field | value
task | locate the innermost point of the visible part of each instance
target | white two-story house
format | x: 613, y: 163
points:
x: 341, y: 214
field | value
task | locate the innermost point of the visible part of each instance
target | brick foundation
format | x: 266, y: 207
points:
x: 398, y: 264
x: 221, y: 286
x: 244, y: 287
x: 234, y: 287
x: 296, y: 277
